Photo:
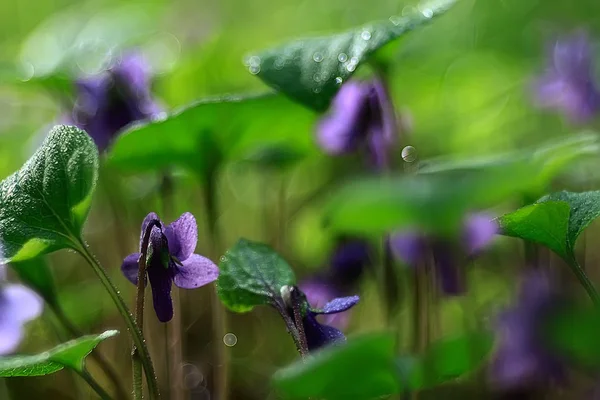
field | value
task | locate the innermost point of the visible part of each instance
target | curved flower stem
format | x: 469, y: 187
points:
x: 108, y: 369
x: 291, y: 327
x: 94, y: 385
x: 296, y: 304
x: 134, y: 330
x: 139, y: 310
x: 585, y: 281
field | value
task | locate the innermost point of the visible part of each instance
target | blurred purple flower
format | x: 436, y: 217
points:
x: 346, y: 266
x: 319, y: 335
x: 170, y: 259
x: 568, y: 84
x: 521, y: 359
x: 413, y: 248
x: 361, y: 116
x: 18, y: 305
x: 108, y: 102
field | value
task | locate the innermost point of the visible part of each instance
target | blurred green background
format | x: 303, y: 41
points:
x: 463, y: 82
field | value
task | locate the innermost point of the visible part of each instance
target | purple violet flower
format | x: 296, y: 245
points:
x: 18, y: 305
x: 521, y: 360
x: 108, y: 102
x: 171, y: 259
x: 412, y: 248
x: 317, y: 334
x: 361, y: 116
x: 346, y: 265
x: 568, y: 84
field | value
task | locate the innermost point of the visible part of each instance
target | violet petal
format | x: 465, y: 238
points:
x: 130, y: 267
x: 479, y: 230
x: 195, y: 271
x: 160, y: 281
x: 183, y: 236
x: 338, y: 305
x: 318, y: 335
x: 408, y: 247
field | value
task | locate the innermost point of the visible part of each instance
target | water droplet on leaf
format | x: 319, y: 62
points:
x: 365, y: 35
x: 342, y: 57
x: 409, y: 154
x: 427, y: 13
x: 339, y: 80
x: 318, y: 57
x: 254, y: 69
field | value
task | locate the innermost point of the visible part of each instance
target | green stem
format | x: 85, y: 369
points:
x: 110, y: 372
x: 134, y: 330
x: 219, y: 316
x: 585, y: 281
x: 94, y: 385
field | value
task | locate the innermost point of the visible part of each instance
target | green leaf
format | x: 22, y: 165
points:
x: 44, y: 205
x: 362, y: 368
x: 543, y: 223
x: 70, y: 355
x: 434, y: 201
x: 585, y: 207
x: 311, y: 70
x: 36, y: 274
x: 555, y: 221
x: 573, y: 333
x: 200, y: 136
x: 251, y: 274
x: 449, y: 359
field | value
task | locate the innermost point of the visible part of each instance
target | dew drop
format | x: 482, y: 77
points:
x: 254, y: 61
x: 427, y: 13
x: 254, y: 69
x: 365, y: 35
x: 342, y: 57
x: 317, y: 78
x: 394, y: 19
x: 230, y: 339
x: 318, y: 57
x: 339, y: 80
x: 279, y: 63
x: 409, y: 154
x: 317, y: 90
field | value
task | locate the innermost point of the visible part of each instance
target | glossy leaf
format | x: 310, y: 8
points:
x: 70, y: 355
x: 44, y: 205
x: 432, y: 201
x: 200, y: 136
x: 555, y: 221
x: 251, y: 274
x: 311, y: 70
x: 448, y: 359
x: 543, y: 223
x: 363, y: 368
x: 36, y: 274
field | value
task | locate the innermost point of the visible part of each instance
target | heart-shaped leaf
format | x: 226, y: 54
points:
x: 200, y: 136
x: 363, y: 368
x: 312, y: 70
x: 70, y: 355
x: 251, y: 274
x: 44, y: 205
x: 448, y: 359
x: 555, y: 221
x: 36, y: 274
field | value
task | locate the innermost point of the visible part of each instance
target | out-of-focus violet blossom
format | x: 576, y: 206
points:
x: 521, y: 359
x: 108, y: 102
x: 413, y: 248
x: 568, y: 84
x: 18, y: 305
x: 171, y: 259
x: 361, y: 117
x: 346, y: 266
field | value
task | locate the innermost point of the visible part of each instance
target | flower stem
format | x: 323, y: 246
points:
x: 296, y: 304
x: 108, y: 369
x: 585, y: 281
x: 219, y: 316
x: 94, y: 385
x: 291, y: 327
x: 134, y: 330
